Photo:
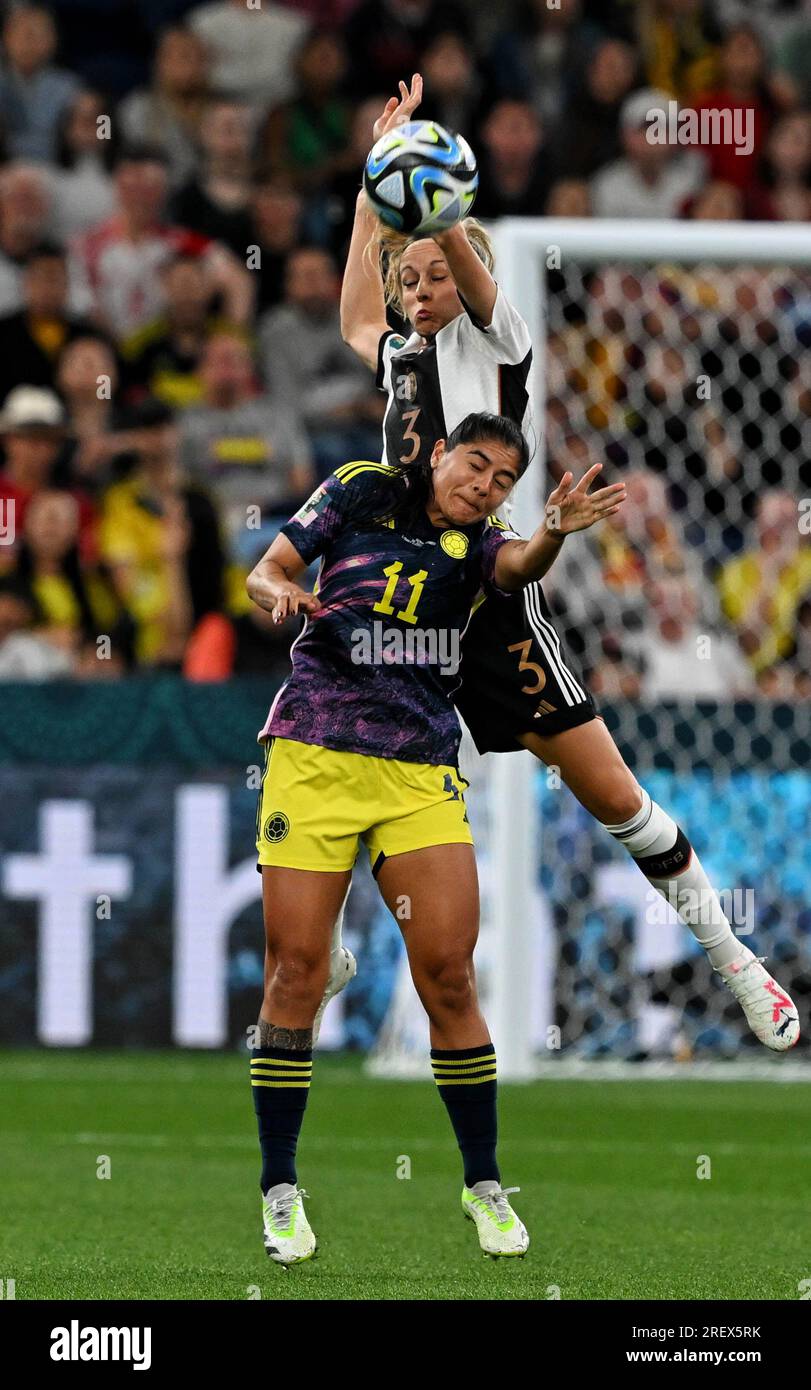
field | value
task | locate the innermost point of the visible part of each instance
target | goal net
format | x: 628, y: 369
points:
x: 675, y: 354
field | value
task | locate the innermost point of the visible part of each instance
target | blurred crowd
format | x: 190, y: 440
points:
x: 177, y: 186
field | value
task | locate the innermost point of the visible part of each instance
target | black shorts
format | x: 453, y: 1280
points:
x: 515, y: 679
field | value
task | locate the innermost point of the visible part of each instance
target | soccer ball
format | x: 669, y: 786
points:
x: 419, y: 178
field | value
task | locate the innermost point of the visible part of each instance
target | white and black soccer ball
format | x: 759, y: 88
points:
x: 421, y: 179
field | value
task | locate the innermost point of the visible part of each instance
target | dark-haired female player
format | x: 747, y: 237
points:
x: 362, y: 745
x: 470, y: 350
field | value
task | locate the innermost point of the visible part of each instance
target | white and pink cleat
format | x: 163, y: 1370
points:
x: 770, y: 1012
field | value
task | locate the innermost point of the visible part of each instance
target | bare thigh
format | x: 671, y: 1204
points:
x: 433, y: 895
x: 299, y: 909
x: 592, y: 767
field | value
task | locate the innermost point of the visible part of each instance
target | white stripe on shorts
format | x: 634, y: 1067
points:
x: 550, y: 642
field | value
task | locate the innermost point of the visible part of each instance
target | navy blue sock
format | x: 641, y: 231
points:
x: 280, y: 1084
x: 466, y: 1081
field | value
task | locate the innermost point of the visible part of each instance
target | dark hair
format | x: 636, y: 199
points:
x: 14, y: 585
x: 310, y: 248
x: 497, y: 428
x: 71, y: 570
x: 150, y: 413
x: 65, y: 157
x: 405, y: 494
x: 46, y: 250
x: 141, y: 153
x: 767, y: 172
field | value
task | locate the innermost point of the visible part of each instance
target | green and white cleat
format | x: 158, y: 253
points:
x: 500, y: 1231
x: 289, y: 1237
x: 343, y: 968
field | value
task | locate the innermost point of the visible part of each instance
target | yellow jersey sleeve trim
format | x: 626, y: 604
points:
x: 351, y: 470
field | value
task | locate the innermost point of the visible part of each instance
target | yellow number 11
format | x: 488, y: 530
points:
x: 417, y: 582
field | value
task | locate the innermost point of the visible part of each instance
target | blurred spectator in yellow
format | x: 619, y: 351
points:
x: 514, y: 169
x: 81, y: 181
x: 33, y: 91
x: 215, y: 201
x: 305, y: 359
x: 587, y: 134
x: 251, y: 48
x: 117, y: 264
x: 654, y: 178
x: 169, y: 111
x: 741, y: 88
x: 32, y: 426
x: 163, y: 358
x: 679, y: 45
x: 76, y: 601
x: 307, y: 138
x: 32, y: 339
x: 25, y: 654
x: 802, y: 641
x: 249, y: 451
x: 159, y: 535
x: 783, y: 190
x: 25, y: 205
x: 762, y: 590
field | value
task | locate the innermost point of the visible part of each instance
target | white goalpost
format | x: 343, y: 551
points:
x: 518, y: 956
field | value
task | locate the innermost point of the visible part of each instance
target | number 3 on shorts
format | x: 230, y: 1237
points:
x: 524, y: 665
x: 410, y: 418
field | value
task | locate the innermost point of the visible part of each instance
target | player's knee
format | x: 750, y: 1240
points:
x: 299, y: 977
x: 449, y: 988
x: 619, y: 799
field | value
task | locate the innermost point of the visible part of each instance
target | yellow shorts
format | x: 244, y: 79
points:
x: 316, y: 804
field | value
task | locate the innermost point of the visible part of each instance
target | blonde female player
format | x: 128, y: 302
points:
x: 362, y: 745
x: 469, y: 349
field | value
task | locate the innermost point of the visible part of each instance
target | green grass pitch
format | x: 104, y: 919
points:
x: 607, y: 1170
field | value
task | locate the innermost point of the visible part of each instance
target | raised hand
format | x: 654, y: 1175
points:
x: 400, y: 109
x: 571, y: 508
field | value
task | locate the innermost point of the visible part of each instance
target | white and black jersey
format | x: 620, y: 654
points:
x: 464, y: 367
x: 515, y: 679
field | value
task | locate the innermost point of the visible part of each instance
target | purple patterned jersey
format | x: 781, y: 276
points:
x: 375, y: 667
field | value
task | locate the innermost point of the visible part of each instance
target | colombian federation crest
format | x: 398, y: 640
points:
x: 276, y: 827
x: 454, y: 543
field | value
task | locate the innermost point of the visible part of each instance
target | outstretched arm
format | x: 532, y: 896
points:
x: 473, y: 280
x: 568, y: 509
x: 363, y: 308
